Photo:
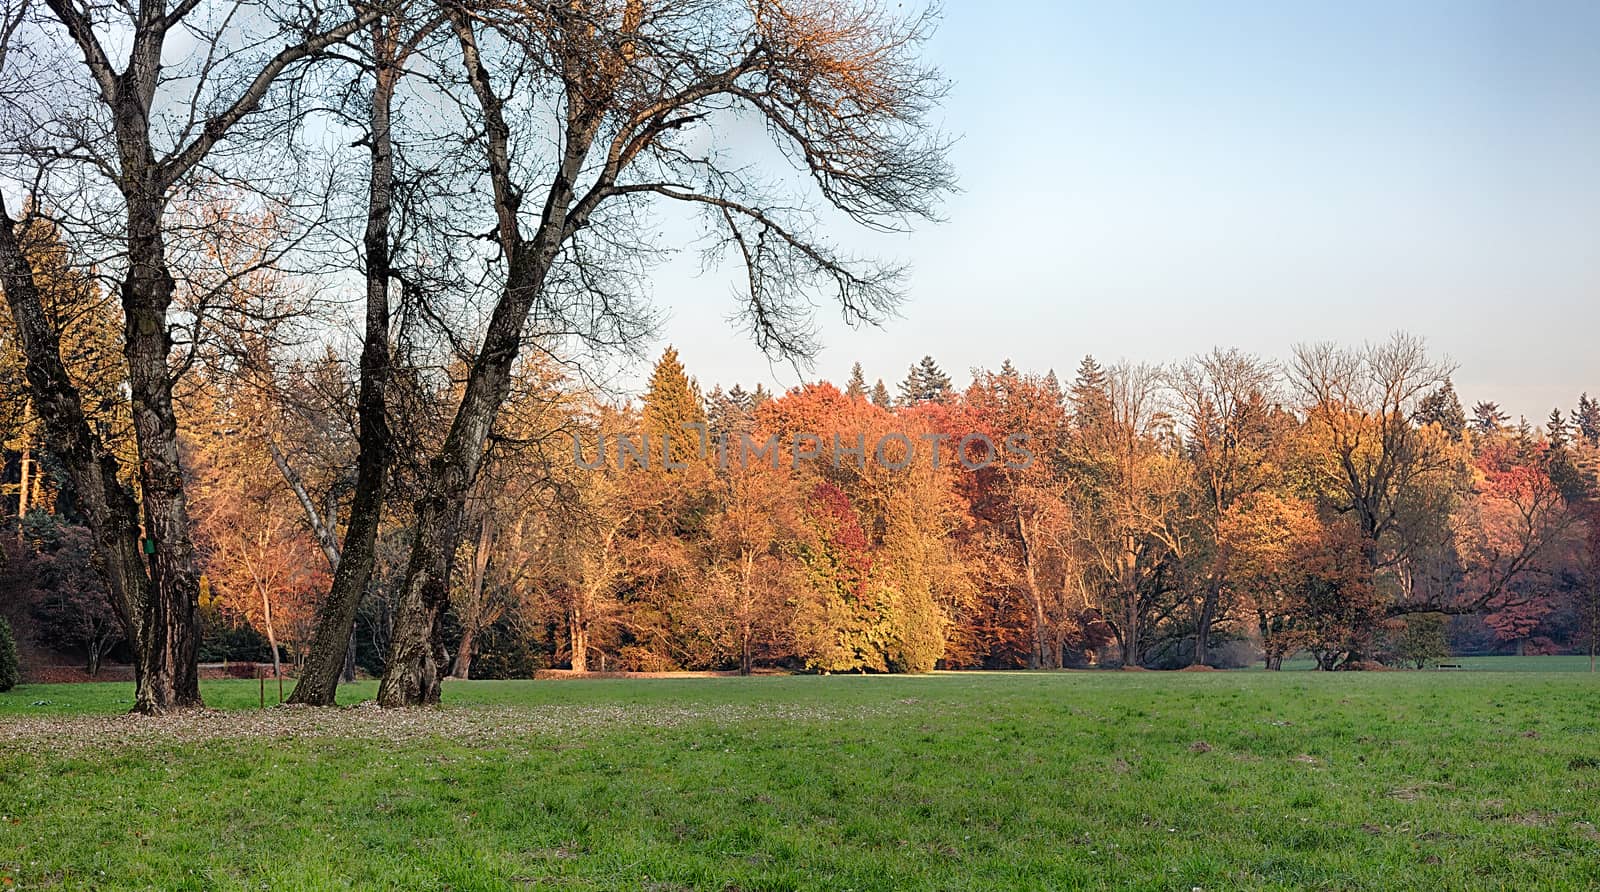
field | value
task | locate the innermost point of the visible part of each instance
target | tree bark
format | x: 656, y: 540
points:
x: 272, y: 637
x: 1035, y: 658
x: 462, y: 668
x: 22, y: 489
x: 1202, y: 630
x: 321, y: 523
x: 169, y: 630
x: 579, y: 632
x: 109, y: 508
x: 333, y: 643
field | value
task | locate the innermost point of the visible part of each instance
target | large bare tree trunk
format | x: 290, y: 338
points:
x: 1131, y: 644
x: 109, y: 508
x: 333, y: 643
x: 169, y: 631
x: 462, y: 667
x: 473, y: 611
x: 411, y: 677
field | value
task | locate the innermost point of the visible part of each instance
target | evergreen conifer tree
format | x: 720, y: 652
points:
x: 1587, y: 419
x: 880, y: 395
x: 857, y: 388
x: 9, y: 674
x: 1443, y: 407
x: 1556, y: 428
x: 672, y: 402
x: 1091, y: 401
x: 925, y: 382
x: 1487, y: 418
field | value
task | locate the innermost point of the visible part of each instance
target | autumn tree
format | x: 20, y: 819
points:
x: 1032, y: 530
x: 1262, y: 537
x: 742, y: 606
x: 839, y: 627
x: 1376, y: 463
x: 1233, y: 429
x: 1587, y: 588
x: 1510, y: 531
x: 69, y: 605
x: 1133, y: 503
x: 1423, y: 640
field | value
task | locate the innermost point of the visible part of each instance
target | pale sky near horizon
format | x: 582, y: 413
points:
x: 1147, y: 181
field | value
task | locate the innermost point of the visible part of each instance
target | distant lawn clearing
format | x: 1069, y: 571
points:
x: 1239, y: 780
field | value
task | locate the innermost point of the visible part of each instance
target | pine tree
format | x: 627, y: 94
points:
x: 672, y: 402
x: 739, y: 397
x: 1557, y: 430
x: 925, y: 383
x: 1487, y: 418
x: 1587, y: 419
x: 1091, y: 401
x: 857, y: 388
x: 727, y: 413
x: 758, y: 396
x: 9, y: 676
x: 1443, y: 407
x: 1525, y: 440
x: 880, y: 395
x: 1052, y: 385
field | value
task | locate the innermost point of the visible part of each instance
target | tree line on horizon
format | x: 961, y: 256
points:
x: 1207, y: 512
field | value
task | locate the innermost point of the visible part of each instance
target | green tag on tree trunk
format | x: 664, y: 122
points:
x: 149, y: 546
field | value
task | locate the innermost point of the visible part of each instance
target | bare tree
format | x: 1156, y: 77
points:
x: 639, y: 94
x: 1361, y: 404
x: 391, y: 43
x: 145, y: 125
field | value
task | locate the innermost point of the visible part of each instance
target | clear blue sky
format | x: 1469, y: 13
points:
x: 1146, y: 181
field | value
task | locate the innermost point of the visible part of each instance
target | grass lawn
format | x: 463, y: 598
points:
x: 1238, y: 780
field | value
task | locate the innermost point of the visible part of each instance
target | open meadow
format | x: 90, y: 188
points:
x: 1222, y: 780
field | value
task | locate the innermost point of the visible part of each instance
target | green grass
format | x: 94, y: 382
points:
x: 1436, y: 780
x: 1557, y: 663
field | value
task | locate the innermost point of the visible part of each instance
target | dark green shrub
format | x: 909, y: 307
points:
x: 8, y: 657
